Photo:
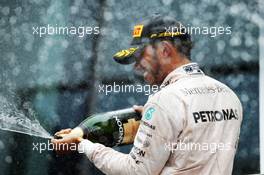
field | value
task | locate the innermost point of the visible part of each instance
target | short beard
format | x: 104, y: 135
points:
x: 157, y: 73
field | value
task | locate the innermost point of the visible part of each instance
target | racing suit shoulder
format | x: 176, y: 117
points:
x: 171, y: 104
x: 210, y: 107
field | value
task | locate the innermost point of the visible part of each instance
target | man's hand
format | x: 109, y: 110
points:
x: 138, y: 109
x: 69, y: 140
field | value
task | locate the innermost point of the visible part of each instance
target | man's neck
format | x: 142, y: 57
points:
x: 178, y: 64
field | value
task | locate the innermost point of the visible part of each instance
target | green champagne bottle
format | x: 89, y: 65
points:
x: 112, y: 128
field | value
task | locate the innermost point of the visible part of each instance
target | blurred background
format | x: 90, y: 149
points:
x: 58, y: 76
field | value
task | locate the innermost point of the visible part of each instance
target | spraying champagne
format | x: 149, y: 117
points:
x: 110, y: 128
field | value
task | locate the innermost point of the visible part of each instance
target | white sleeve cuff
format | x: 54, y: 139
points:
x: 87, y: 147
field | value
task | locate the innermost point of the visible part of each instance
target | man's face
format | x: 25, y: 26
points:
x: 148, y: 63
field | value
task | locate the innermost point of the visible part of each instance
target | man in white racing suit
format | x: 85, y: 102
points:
x: 190, y: 127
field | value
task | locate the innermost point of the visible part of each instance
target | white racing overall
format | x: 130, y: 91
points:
x: 190, y: 127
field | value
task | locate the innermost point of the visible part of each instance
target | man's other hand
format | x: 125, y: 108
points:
x: 138, y: 109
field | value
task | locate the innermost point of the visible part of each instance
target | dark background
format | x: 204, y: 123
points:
x: 58, y: 75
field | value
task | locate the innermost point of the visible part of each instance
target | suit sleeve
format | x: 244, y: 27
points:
x: 149, y: 153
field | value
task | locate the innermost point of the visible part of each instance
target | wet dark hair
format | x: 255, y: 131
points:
x: 182, y: 44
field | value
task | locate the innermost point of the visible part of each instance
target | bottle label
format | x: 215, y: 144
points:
x: 130, y: 130
x: 127, y: 130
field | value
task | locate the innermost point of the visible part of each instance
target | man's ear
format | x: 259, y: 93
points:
x: 167, y: 49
